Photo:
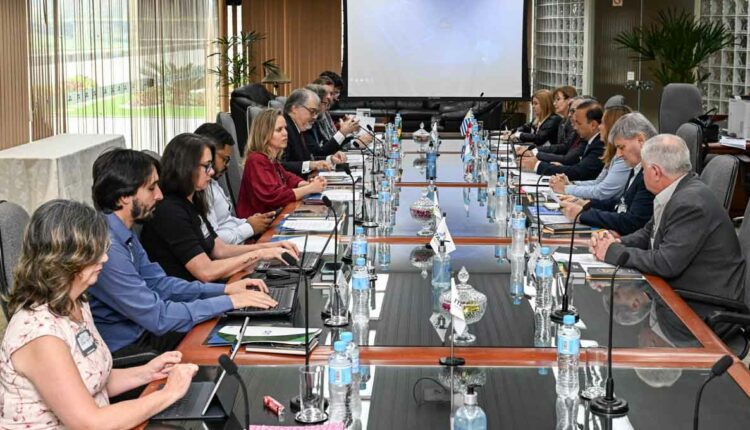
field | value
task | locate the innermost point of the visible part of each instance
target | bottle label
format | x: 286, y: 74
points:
x: 568, y: 345
x: 355, y: 364
x: 519, y: 222
x: 384, y: 197
x: 360, y: 282
x: 543, y: 270
x: 339, y: 375
x: 359, y: 248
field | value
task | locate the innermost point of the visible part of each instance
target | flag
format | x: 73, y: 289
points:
x: 457, y: 310
x: 466, y: 123
x: 442, y: 234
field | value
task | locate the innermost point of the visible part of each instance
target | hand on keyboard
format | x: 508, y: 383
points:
x: 244, y: 285
x: 179, y: 379
x: 254, y: 299
x: 280, y: 254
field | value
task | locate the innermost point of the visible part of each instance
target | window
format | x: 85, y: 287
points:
x: 559, y: 40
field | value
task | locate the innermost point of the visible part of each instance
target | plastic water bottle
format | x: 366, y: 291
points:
x: 339, y: 380
x: 491, y: 206
x: 384, y: 204
x: 352, y: 351
x: 470, y: 416
x: 517, y: 264
x: 384, y: 257
x: 544, y: 279
x: 360, y: 291
x: 501, y: 211
x: 518, y: 226
x: 568, y: 349
x: 359, y: 243
x: 492, y: 172
x: 441, y: 269
x: 397, y: 123
x: 431, y: 155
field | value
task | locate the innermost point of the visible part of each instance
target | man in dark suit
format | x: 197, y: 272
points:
x: 322, y: 138
x: 586, y: 120
x: 633, y: 210
x: 300, y: 110
x: 690, y: 240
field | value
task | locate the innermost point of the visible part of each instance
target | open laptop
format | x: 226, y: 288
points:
x: 310, y: 261
x: 207, y: 400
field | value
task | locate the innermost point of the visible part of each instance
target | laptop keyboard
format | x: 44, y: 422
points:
x: 308, y: 263
x: 284, y: 296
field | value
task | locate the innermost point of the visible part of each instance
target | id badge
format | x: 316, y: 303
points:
x: 85, y: 342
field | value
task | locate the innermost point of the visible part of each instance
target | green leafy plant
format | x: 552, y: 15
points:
x: 677, y: 44
x: 235, y: 55
x: 177, y: 83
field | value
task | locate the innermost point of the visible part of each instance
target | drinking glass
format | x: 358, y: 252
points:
x: 311, y: 380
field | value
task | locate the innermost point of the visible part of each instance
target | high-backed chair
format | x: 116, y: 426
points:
x: 692, y: 134
x: 232, y: 179
x: 240, y: 100
x: 153, y: 154
x: 13, y: 221
x: 720, y: 175
x: 679, y: 104
x: 252, y: 113
x: 615, y: 100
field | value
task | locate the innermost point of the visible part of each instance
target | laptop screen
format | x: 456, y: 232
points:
x: 228, y: 388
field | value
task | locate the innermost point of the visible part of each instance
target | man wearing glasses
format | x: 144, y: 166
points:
x: 300, y: 111
x: 220, y: 214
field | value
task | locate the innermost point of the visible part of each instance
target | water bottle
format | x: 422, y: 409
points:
x: 441, y: 271
x: 434, y: 135
x: 501, y: 212
x: 397, y: 123
x: 518, y: 229
x: 360, y: 291
x: 491, y: 206
x: 544, y: 280
x: 384, y: 257
x: 384, y: 203
x: 492, y: 172
x: 339, y: 380
x: 352, y: 351
x: 517, y: 264
x: 359, y: 243
x: 431, y: 155
x: 470, y: 416
x: 566, y: 413
x: 568, y: 348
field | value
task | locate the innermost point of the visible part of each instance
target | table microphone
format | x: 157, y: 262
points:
x: 329, y: 205
x: 558, y: 314
x: 230, y: 367
x: 538, y: 215
x: 718, y: 369
x: 609, y: 405
x: 294, y: 403
x: 348, y: 171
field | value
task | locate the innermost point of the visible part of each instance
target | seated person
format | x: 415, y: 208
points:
x: 567, y: 151
x: 266, y: 185
x: 325, y: 122
x: 179, y: 236
x: 300, y: 111
x: 543, y: 129
x: 586, y: 120
x: 690, y: 241
x: 136, y: 306
x: 613, y: 178
x: 562, y: 99
x: 322, y: 138
x: 56, y: 371
x: 635, y: 207
x: 229, y: 228
x: 338, y: 86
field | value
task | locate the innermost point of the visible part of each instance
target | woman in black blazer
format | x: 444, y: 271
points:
x: 546, y: 122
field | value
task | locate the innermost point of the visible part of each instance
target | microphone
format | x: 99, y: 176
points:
x: 329, y: 205
x: 609, y: 405
x: 718, y: 369
x: 348, y: 171
x: 294, y: 403
x: 558, y: 314
x: 230, y: 367
x: 520, y: 162
x: 538, y: 216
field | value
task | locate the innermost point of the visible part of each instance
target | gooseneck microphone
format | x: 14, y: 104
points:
x: 608, y: 405
x: 329, y: 205
x: 230, y: 367
x: 294, y: 403
x: 355, y: 221
x: 718, y: 369
x: 558, y: 314
x: 520, y: 164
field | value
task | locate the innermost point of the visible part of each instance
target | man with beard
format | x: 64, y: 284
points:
x: 220, y: 214
x: 136, y: 307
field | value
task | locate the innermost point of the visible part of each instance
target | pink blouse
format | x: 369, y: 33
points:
x: 21, y: 406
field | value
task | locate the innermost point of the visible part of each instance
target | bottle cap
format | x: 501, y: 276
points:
x: 518, y: 208
x: 470, y: 398
x: 346, y: 336
x: 339, y: 346
x: 544, y: 251
x: 361, y: 261
x: 569, y: 320
x: 359, y: 230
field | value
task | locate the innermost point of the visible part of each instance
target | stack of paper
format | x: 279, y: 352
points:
x: 738, y: 143
x: 275, y: 340
x: 341, y: 195
x: 314, y: 243
x: 308, y: 224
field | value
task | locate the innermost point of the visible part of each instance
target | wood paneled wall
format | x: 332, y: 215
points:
x: 303, y: 36
x: 14, y: 78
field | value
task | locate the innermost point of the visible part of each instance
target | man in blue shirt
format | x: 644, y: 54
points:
x: 136, y: 306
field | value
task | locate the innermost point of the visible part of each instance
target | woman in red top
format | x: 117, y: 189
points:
x: 266, y: 185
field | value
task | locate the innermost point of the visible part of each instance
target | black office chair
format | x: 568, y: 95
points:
x: 13, y: 221
x: 731, y: 322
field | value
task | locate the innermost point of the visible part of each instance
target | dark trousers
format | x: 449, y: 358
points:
x: 149, y: 342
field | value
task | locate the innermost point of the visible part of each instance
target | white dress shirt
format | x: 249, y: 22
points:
x: 229, y: 228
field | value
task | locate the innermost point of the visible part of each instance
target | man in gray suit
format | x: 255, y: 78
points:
x: 690, y: 241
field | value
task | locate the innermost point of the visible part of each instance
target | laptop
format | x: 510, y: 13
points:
x: 286, y: 297
x: 310, y: 261
x: 207, y: 400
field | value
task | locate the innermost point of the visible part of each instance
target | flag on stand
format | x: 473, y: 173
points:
x: 466, y: 123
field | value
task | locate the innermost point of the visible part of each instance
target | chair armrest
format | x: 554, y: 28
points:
x: 137, y: 359
x: 737, y: 221
x: 708, y: 299
x: 718, y: 317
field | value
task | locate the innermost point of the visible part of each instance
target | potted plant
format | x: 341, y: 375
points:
x: 677, y: 45
x: 235, y: 55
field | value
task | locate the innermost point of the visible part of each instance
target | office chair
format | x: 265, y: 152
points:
x: 231, y: 180
x: 13, y: 221
x: 679, y: 104
x: 720, y: 174
x: 692, y: 134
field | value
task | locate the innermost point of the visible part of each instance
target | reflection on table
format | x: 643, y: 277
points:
x: 397, y: 398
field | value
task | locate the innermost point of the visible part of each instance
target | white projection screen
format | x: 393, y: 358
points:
x: 453, y: 49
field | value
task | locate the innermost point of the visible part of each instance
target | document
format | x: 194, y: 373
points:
x: 306, y: 224
x: 554, y: 219
x: 314, y: 243
x: 732, y: 142
x: 341, y: 195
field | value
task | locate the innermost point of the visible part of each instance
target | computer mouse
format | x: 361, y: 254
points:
x: 276, y: 274
x: 289, y: 259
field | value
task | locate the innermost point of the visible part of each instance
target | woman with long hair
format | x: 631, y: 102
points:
x: 266, y: 185
x: 543, y: 128
x: 55, y: 369
x: 179, y: 236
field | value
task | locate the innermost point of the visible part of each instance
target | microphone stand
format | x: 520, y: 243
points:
x: 355, y: 222
x: 718, y: 369
x: 609, y: 406
x: 520, y: 166
x: 558, y: 314
x: 294, y: 403
x: 538, y: 216
x: 329, y: 205
x: 364, y: 218
x: 231, y: 368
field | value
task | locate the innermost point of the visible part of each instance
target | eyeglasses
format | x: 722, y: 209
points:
x: 313, y: 112
x: 226, y: 159
x: 208, y: 166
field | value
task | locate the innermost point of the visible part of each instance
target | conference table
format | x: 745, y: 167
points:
x: 662, y: 349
